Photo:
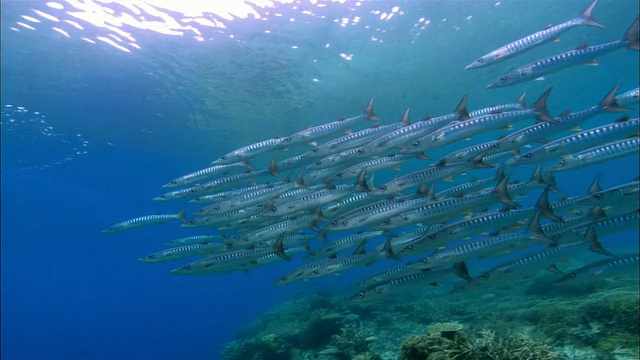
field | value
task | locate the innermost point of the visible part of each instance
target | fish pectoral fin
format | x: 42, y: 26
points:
x: 553, y: 268
x: 593, y: 62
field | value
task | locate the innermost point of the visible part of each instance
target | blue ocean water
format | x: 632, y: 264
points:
x: 102, y: 104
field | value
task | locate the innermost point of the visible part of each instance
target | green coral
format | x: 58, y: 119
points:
x: 487, y: 345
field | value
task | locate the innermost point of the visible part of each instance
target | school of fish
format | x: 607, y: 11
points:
x: 327, y: 207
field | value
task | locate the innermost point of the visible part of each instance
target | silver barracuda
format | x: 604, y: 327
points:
x: 518, y: 105
x: 314, y: 133
x: 386, y: 275
x: 246, y: 153
x: 480, y: 125
x: 205, y: 174
x: 181, y: 252
x: 616, y: 195
x: 291, y: 163
x: 580, y: 55
x: 530, y: 41
x: 411, y: 280
x: 190, y: 240
x: 429, y: 174
x: 228, y: 182
x: 347, y: 204
x: 597, y: 155
x: 614, y: 267
x: 527, y: 265
x: 630, y: 97
x: 403, y: 136
x: 385, y: 162
x: 539, y: 131
x: 274, y: 230
x: 144, y: 221
x: 343, y: 243
x: 229, y: 261
x: 216, y: 220
x: 442, y: 210
x: 356, y: 139
x: 578, y: 142
x: 615, y: 224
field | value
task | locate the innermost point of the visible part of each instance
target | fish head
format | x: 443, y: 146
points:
x: 183, y: 270
x: 483, y: 61
x: 505, y: 80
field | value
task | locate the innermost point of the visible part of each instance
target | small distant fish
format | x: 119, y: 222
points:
x: 540, y: 37
x: 144, y: 221
x: 580, y: 55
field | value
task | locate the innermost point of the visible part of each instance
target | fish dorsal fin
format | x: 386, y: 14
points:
x: 622, y: 119
x: 565, y: 113
x: 360, y: 249
x: 595, y: 185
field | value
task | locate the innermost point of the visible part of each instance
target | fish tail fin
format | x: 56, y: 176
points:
x: 545, y: 208
x: 503, y: 192
x: 540, y: 107
x: 462, y: 271
x: 586, y: 17
x: 609, y: 102
x: 461, y: 109
x: 536, y: 231
x: 278, y: 248
x: 631, y: 36
x: 369, y: 112
x: 181, y: 217
x: 273, y: 167
x: 387, y: 251
x: 594, y: 244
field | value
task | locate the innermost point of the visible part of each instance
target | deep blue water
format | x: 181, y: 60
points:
x: 172, y: 106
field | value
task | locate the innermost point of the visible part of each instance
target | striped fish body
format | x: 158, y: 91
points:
x: 578, y: 142
x: 530, y: 41
x: 354, y: 140
x: 244, y: 201
x: 616, y: 195
x: 191, y: 240
x: 248, y: 152
x: 181, y: 252
x: 618, y: 223
x: 343, y: 243
x: 228, y: 182
x: 310, y: 201
x: 597, y: 155
x: 386, y: 275
x: 618, y: 266
x: 205, y: 174
x: 630, y: 97
x: 465, y: 189
x: 275, y: 230
x: 221, y: 263
x: 143, y: 221
x: 556, y: 62
x: 466, y: 129
x: 347, y: 204
x: 216, y: 220
x: 386, y: 162
x: 465, y: 154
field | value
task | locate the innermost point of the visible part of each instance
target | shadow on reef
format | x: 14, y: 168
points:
x: 517, y: 322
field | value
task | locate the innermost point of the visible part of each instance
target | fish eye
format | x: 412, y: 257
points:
x: 345, y: 222
x: 526, y: 156
x: 334, y: 222
x: 151, y: 256
x: 503, y: 78
x: 597, y: 196
x: 495, y: 145
x: 318, y: 162
x: 216, y: 207
x: 288, y: 138
x: 316, y: 150
x: 361, y: 294
x: 273, y: 209
x: 315, y: 272
x: 174, y: 182
x: 186, y: 267
x: 424, y: 260
x: 431, y: 236
x: 572, y: 276
x: 193, y: 190
x: 386, y: 221
x: 485, y: 275
x: 555, y: 237
x: 224, y: 157
x: 480, y: 60
x: 284, y: 278
x: 360, y: 151
x: 561, y: 162
x: 383, y: 188
x: 415, y: 143
x: 192, y: 221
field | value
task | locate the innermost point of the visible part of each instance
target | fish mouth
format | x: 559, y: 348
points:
x: 491, y: 86
x: 470, y: 66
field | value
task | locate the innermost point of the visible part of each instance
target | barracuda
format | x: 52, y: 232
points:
x: 144, y: 221
x: 442, y: 210
x: 389, y: 161
x: 631, y: 97
x: 287, y: 164
x: 356, y: 139
x: 343, y: 243
x: 216, y: 220
x: 616, y: 267
x: 181, y: 252
x: 575, y: 143
x: 249, y: 199
x: 526, y: 265
x: 581, y: 55
x: 490, y: 221
x: 275, y: 230
x: 596, y: 155
x: 246, y: 153
x: 416, y: 130
x: 229, y: 261
x: 535, y: 39
x: 474, y: 126
x: 414, y: 279
x: 205, y: 174
x: 429, y: 174
x: 539, y: 131
x: 314, y: 133
x: 347, y: 204
x: 234, y: 180
x: 190, y: 240
x: 386, y: 275
x: 518, y: 105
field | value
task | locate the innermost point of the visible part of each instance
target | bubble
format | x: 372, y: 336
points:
x: 30, y: 141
